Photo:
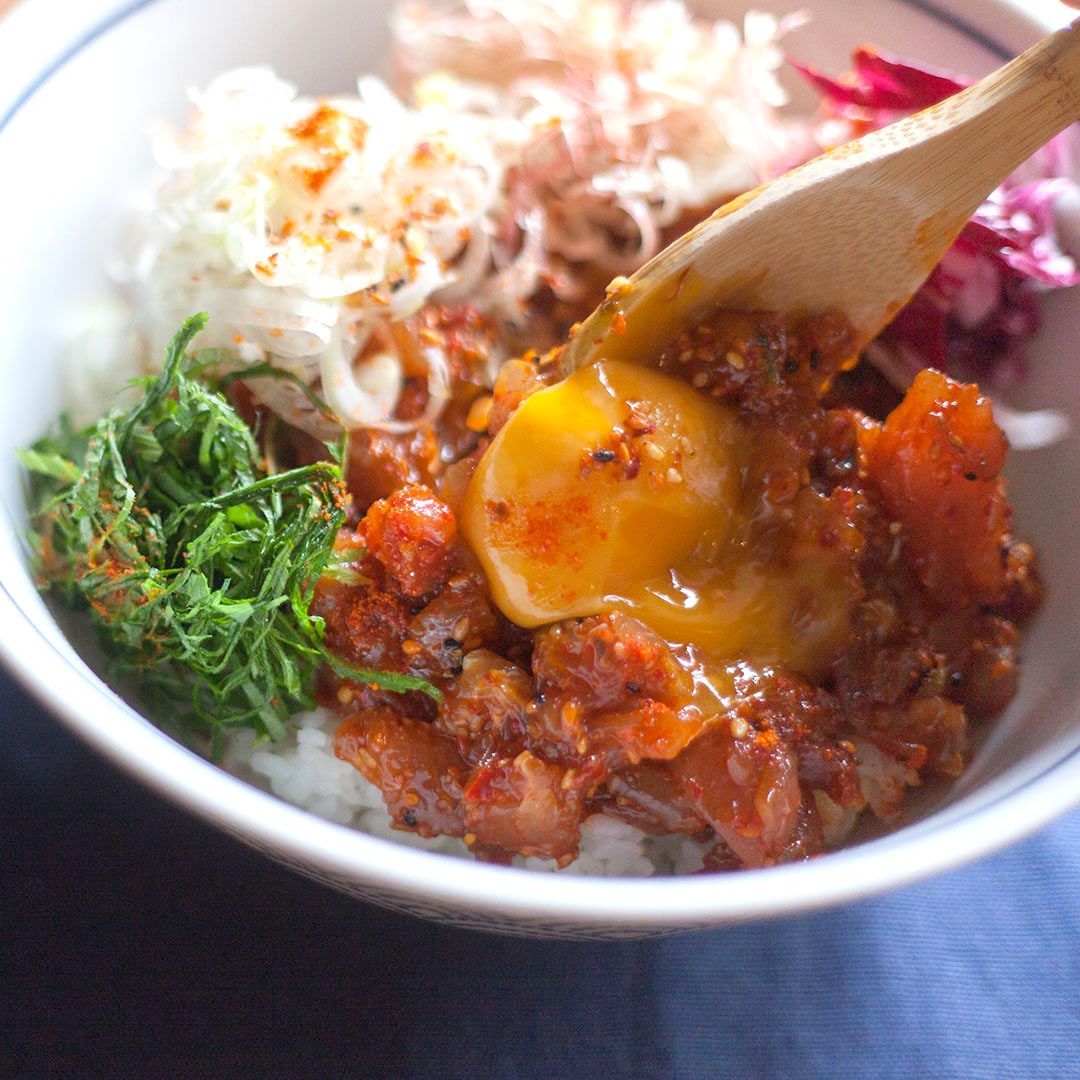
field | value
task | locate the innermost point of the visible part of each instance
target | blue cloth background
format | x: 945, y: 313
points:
x: 137, y: 942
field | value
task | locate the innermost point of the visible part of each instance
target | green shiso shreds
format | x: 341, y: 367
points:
x: 197, y: 567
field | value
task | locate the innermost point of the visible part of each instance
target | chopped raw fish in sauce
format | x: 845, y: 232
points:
x: 705, y: 593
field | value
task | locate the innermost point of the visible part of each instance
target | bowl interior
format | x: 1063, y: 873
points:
x: 78, y: 157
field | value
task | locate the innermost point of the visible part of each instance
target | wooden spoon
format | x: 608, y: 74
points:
x: 856, y: 230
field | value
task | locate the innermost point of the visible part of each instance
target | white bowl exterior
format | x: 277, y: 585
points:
x: 82, y: 81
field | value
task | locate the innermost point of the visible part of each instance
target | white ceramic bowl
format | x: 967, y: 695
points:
x: 80, y: 83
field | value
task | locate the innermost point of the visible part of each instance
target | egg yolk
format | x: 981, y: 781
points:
x: 595, y: 485
x: 618, y: 489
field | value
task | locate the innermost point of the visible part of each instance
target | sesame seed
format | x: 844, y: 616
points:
x: 735, y: 360
x: 700, y: 379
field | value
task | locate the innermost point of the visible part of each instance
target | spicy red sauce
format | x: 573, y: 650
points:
x: 768, y: 760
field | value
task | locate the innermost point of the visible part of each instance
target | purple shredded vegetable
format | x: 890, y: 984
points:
x: 977, y: 310
x: 880, y: 88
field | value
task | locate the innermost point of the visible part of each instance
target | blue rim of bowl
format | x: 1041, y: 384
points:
x: 528, y: 903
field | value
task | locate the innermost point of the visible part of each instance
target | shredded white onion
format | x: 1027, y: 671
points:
x: 533, y: 144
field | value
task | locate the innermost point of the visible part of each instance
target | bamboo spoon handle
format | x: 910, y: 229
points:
x: 970, y: 142
x: 856, y: 230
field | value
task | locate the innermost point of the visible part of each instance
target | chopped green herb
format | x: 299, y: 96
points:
x: 197, y: 567
x: 209, y: 359
x: 341, y: 567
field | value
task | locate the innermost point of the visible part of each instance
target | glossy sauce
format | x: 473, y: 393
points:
x: 694, y: 594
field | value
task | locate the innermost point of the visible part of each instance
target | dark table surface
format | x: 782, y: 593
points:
x: 136, y: 941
